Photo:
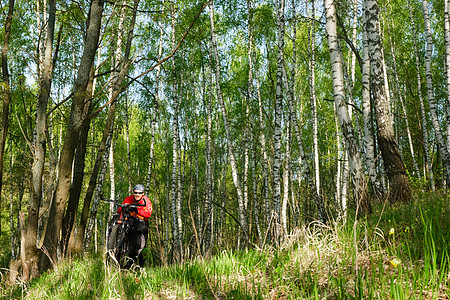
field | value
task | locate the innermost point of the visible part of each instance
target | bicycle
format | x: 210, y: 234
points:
x: 121, y: 241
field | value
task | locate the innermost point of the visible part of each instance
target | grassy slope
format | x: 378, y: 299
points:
x: 402, y: 253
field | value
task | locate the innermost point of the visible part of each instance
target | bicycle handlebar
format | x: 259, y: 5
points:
x: 126, y: 204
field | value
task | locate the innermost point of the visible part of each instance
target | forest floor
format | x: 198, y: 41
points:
x: 399, y: 252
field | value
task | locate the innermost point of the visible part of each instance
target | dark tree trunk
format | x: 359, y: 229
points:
x: 78, y: 175
x: 54, y: 223
x: 6, y: 93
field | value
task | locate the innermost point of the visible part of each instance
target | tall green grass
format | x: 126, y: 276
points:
x: 398, y: 253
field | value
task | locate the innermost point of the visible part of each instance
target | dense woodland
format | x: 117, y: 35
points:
x: 243, y: 119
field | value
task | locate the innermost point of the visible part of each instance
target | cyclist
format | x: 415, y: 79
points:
x: 138, y: 222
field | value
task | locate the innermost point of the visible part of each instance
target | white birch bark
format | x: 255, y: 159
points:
x: 369, y: 140
x: 275, y: 214
x: 175, y: 167
x: 286, y: 179
x: 209, y: 174
x: 115, y: 76
x: 430, y: 91
x: 426, y: 140
x: 393, y: 163
x: 97, y: 194
x: 312, y: 92
x: 355, y: 162
x: 447, y: 64
x: 265, y: 161
x: 237, y: 184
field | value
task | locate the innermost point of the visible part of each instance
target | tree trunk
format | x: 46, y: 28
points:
x: 208, y: 216
x: 178, y: 255
x: 251, y: 55
x: 53, y: 233
x: 286, y: 180
x: 447, y: 65
x: 116, y: 82
x: 312, y: 93
x: 92, y: 224
x: 104, y: 146
x: 78, y: 175
x: 31, y: 252
x: 276, y: 210
x: 312, y: 190
x: 431, y: 99
x: 405, y: 114
x: 237, y: 184
x: 369, y: 137
x: 355, y: 162
x: 426, y: 139
x: 6, y: 93
x: 265, y: 159
x: 393, y: 163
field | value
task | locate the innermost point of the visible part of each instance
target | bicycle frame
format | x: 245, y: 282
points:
x: 118, y: 235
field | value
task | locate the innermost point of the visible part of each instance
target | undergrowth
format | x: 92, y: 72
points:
x: 399, y: 252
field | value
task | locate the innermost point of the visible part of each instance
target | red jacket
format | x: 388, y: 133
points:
x: 143, y: 211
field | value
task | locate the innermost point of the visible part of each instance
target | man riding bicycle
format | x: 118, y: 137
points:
x: 138, y: 221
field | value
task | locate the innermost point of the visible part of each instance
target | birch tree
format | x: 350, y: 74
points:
x: 176, y: 206
x: 355, y: 162
x: 275, y: 214
x: 236, y: 181
x: 426, y: 139
x: 430, y: 92
x: 393, y: 163
x: 447, y: 64
x: 312, y: 94
x: 369, y: 141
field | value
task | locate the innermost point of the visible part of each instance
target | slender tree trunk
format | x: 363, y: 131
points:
x: 178, y: 255
x: 242, y: 214
x: 155, y: 108
x: 286, y: 180
x: 6, y: 94
x: 426, y: 140
x: 312, y: 93
x: 31, y: 252
x: 209, y: 173
x: 112, y: 176
x: 431, y: 98
x: 265, y: 160
x: 393, y: 163
x: 276, y: 210
x: 127, y: 139
x: 405, y: 114
x: 355, y: 162
x: 11, y: 211
x: 447, y: 65
x: 251, y: 55
x: 342, y: 201
x: 92, y: 224
x: 369, y: 139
